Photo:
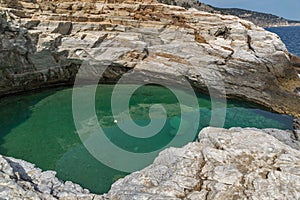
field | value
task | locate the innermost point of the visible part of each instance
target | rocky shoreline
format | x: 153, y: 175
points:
x: 22, y: 180
x: 44, y: 43
x: 282, y: 25
x: 223, y: 164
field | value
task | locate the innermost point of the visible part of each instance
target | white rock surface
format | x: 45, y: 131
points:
x: 224, y: 164
x: 22, y: 180
x: 45, y: 43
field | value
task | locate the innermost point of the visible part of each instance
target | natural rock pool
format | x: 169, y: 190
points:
x: 39, y: 128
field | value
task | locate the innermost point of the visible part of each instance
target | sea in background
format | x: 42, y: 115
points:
x: 290, y: 35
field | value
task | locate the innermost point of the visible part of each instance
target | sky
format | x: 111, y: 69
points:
x: 289, y: 9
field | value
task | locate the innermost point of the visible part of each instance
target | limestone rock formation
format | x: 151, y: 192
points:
x: 224, y: 164
x: 22, y: 180
x: 45, y: 42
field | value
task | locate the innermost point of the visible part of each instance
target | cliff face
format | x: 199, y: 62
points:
x: 45, y: 42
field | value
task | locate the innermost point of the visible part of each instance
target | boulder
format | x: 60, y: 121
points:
x: 224, y: 164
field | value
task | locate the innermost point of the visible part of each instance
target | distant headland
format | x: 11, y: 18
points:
x: 258, y: 18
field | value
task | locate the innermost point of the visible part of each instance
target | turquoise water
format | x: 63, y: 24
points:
x: 39, y: 128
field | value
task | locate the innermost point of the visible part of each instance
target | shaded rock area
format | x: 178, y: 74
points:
x: 223, y: 164
x: 296, y: 127
x: 45, y: 42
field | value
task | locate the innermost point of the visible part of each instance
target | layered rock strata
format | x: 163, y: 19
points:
x: 43, y: 43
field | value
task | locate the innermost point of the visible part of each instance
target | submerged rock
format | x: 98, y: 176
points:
x: 161, y: 41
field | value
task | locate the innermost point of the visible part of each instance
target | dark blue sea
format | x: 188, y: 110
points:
x: 290, y: 35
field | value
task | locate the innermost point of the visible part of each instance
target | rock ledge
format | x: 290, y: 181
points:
x: 45, y: 42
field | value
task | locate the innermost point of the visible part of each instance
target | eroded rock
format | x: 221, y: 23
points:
x: 22, y: 180
x: 226, y: 53
x: 225, y: 164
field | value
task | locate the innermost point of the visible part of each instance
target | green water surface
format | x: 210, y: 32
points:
x: 39, y: 128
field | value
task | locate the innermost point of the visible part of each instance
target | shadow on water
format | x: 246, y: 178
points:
x: 13, y: 113
x: 241, y: 113
x: 39, y: 128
